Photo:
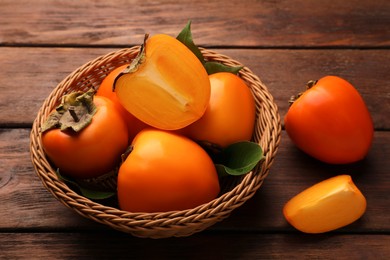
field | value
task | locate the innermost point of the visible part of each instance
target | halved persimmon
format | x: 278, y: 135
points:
x: 105, y: 89
x: 165, y: 86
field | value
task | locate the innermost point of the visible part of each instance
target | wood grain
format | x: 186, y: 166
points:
x: 295, y: 23
x: 284, y: 72
x: 25, y: 204
x: 284, y: 42
x: 207, y: 245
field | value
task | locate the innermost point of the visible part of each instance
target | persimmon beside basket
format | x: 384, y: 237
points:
x: 235, y: 191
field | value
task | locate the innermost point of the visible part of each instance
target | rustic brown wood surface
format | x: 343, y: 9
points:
x: 285, y: 43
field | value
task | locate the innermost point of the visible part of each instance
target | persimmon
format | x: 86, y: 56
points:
x: 230, y: 114
x: 106, y: 90
x: 166, y: 86
x: 85, y: 136
x: 330, y: 122
x: 165, y: 171
x: 326, y: 206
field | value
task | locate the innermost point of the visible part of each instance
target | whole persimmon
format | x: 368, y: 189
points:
x: 165, y: 171
x: 85, y: 136
x: 230, y: 115
x: 106, y: 90
x: 330, y: 122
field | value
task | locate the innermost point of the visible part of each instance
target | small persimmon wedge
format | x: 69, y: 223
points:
x: 166, y: 86
x: 326, y: 206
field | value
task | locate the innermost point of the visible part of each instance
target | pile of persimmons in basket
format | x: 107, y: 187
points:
x: 170, y: 124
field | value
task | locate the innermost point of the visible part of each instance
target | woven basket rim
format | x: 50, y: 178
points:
x: 159, y: 224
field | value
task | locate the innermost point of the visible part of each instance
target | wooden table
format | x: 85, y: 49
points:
x: 285, y: 43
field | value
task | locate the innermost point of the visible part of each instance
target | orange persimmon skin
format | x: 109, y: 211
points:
x: 93, y: 151
x: 169, y: 89
x: 326, y: 206
x: 230, y: 115
x: 165, y: 172
x: 106, y: 90
x: 331, y: 122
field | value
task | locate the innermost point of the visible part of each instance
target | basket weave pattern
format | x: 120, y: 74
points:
x: 166, y: 224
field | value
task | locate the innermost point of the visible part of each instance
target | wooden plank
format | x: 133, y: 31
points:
x: 294, y: 23
x: 294, y: 171
x: 23, y: 199
x: 207, y: 245
x: 284, y: 72
x: 28, y: 75
x: 25, y: 204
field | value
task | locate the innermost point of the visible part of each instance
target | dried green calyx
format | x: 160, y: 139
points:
x: 136, y: 62
x: 74, y: 113
x: 309, y: 85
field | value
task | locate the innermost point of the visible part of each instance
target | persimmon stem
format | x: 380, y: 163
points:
x: 135, y: 63
x: 309, y: 85
x: 73, y: 114
x: 127, y: 153
x: 293, y: 98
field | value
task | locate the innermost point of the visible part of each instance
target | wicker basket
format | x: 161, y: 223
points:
x: 165, y: 224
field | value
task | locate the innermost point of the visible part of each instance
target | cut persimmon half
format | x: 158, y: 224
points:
x: 165, y: 86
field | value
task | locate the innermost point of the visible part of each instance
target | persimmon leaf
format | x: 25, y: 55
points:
x: 88, y: 193
x: 96, y: 195
x: 214, y: 67
x: 239, y: 158
x: 185, y: 37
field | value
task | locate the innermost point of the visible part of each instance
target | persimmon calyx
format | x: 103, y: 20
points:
x: 135, y: 63
x: 126, y: 153
x: 309, y: 85
x: 74, y: 113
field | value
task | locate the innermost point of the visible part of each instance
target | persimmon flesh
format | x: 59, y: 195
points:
x: 326, y: 206
x: 166, y: 86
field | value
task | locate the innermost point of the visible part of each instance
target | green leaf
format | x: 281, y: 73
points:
x: 88, y: 193
x: 214, y: 67
x: 96, y: 195
x: 239, y: 158
x: 185, y: 36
